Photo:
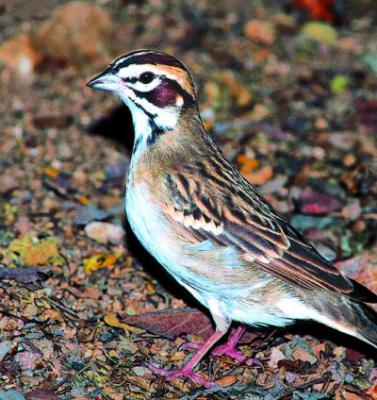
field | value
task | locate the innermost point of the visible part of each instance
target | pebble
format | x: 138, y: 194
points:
x: 260, y: 31
x: 87, y: 214
x: 77, y: 33
x: 105, y: 232
x: 11, y: 395
x: 5, y: 346
x: 18, y: 54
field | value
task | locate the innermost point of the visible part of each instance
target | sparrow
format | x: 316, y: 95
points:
x: 210, y: 229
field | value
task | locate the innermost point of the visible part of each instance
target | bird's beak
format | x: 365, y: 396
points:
x: 106, y: 80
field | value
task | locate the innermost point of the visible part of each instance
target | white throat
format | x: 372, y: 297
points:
x: 145, y: 129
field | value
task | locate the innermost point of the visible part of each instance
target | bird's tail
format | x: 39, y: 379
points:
x: 348, y: 315
x: 366, y: 324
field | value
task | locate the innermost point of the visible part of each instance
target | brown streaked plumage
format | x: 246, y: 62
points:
x: 209, y: 227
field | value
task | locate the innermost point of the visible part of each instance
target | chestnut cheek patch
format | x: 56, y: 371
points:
x: 165, y: 94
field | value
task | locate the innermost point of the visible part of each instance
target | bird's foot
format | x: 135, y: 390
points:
x: 184, y: 372
x: 227, y: 349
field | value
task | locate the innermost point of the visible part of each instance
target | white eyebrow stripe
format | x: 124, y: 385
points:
x: 124, y: 58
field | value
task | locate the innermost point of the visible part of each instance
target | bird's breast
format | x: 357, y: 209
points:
x: 150, y: 225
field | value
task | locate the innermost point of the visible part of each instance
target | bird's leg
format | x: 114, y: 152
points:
x: 222, y: 325
x: 187, y: 370
x: 229, y: 348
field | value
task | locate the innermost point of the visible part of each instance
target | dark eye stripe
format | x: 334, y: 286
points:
x: 131, y: 80
x: 146, y: 77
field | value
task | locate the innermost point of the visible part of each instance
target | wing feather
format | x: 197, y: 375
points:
x: 245, y: 221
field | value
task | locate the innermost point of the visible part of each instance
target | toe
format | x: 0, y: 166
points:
x: 181, y: 373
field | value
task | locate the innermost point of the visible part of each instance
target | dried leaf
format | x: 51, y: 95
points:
x: 24, y: 275
x: 317, y: 9
x: 227, y: 380
x: 171, y: 323
x: 40, y: 394
x: 33, y: 251
x: 367, y: 112
x: 314, y: 202
x: 320, y: 32
x: 247, y: 164
x: 339, y: 84
x: 261, y: 176
x: 112, y: 320
x: 99, y: 261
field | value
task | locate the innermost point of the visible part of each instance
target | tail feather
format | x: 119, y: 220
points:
x: 366, y: 326
x: 347, y: 315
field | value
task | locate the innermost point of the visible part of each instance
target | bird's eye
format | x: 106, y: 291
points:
x: 146, y: 77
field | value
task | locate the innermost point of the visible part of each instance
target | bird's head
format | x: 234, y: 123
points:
x: 155, y: 86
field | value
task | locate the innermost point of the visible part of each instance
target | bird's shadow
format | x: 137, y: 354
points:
x: 323, y: 333
x: 117, y: 126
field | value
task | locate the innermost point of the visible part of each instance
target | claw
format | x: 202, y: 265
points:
x: 182, y: 373
x: 226, y: 349
x: 187, y: 370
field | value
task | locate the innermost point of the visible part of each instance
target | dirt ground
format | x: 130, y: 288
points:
x: 289, y: 91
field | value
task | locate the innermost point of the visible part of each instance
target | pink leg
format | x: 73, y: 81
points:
x: 229, y: 348
x: 187, y: 370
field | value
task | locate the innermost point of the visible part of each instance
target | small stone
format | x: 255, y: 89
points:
x: 19, y: 54
x: 303, y: 355
x: 11, y: 395
x: 321, y: 123
x: 352, y: 210
x: 298, y: 123
x: 105, y: 232
x: 260, y: 31
x: 27, y: 360
x: 140, y: 371
x: 89, y: 213
x: 320, y: 32
x: 260, y: 111
x: 76, y: 34
x: 5, y: 346
x: 349, y: 160
x: 276, y: 356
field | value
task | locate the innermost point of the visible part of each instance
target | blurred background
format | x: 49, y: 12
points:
x: 288, y: 88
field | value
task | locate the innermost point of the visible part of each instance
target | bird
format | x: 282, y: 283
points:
x: 209, y: 228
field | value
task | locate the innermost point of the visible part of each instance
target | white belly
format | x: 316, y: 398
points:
x: 155, y: 233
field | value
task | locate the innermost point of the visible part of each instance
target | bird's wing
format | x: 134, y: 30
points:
x: 237, y: 216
